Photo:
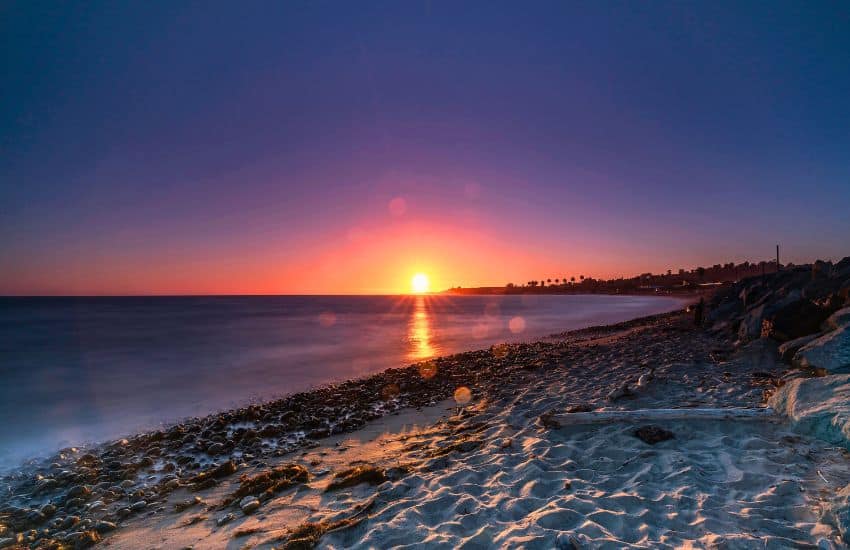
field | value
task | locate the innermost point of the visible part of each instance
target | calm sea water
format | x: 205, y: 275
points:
x: 76, y: 370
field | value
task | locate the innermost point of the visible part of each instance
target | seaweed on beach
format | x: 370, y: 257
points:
x: 207, y: 478
x: 357, y: 475
x: 266, y: 484
x: 306, y: 536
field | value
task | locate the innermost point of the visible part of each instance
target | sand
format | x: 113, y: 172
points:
x: 499, y: 472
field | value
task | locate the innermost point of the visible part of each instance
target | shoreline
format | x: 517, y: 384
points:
x: 35, y: 446
x: 123, y: 491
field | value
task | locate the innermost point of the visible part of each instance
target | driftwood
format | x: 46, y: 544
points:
x: 659, y: 415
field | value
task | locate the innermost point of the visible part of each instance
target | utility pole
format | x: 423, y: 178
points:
x: 777, y: 258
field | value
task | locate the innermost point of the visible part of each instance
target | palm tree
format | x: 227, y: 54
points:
x: 581, y: 277
x: 572, y: 279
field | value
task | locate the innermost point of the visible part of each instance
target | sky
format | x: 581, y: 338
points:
x: 341, y: 147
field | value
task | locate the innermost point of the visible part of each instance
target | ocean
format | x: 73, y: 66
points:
x: 80, y: 370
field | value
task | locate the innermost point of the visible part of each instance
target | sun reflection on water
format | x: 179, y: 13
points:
x: 419, y: 332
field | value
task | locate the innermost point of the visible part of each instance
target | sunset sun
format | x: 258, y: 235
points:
x: 420, y: 283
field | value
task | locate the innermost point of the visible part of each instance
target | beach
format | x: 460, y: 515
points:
x: 492, y: 448
x: 84, y: 370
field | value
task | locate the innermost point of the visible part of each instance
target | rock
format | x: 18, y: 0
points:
x: 830, y: 352
x: 750, y: 326
x: 837, y: 319
x: 181, y: 506
x: 651, y: 434
x: 819, y: 407
x: 821, y: 288
x: 87, y: 459
x: 646, y: 378
x: 249, y: 504
x: 138, y: 506
x: 225, y: 519
x: 793, y: 321
x: 215, y: 449
x: 104, y: 526
x: 790, y: 348
x: 69, y: 522
x: 547, y: 420
x: 619, y: 393
x: 78, y: 491
x: 83, y: 539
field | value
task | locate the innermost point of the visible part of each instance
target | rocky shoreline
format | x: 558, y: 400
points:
x: 233, y: 466
x: 79, y: 495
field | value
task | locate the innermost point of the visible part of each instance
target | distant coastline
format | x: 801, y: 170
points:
x: 684, y: 282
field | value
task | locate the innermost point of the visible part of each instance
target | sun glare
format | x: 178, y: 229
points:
x: 420, y: 283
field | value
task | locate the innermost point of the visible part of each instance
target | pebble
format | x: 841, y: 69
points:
x: 78, y: 491
x: 225, y: 519
x: 104, y: 526
x: 249, y: 504
x: 141, y: 505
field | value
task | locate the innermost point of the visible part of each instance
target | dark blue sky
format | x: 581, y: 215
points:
x: 147, y: 147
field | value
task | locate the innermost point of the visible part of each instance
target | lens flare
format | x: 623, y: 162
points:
x: 463, y: 395
x: 517, y: 325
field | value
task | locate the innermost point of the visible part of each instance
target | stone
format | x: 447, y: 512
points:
x: 249, y: 504
x: 35, y: 517
x: 619, y: 393
x: 651, y: 434
x: 138, y: 506
x: 83, y: 539
x: 750, y: 326
x: 819, y: 407
x: 793, y: 321
x: 104, y: 526
x: 225, y: 519
x: 69, y: 522
x: 837, y: 319
x: 79, y: 491
x: 215, y: 449
x: 830, y: 352
x: 788, y: 349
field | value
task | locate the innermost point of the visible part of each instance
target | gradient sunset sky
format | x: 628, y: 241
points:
x: 340, y: 147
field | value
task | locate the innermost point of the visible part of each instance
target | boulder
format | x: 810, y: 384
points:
x: 844, y: 292
x: 841, y: 270
x: 837, y: 319
x: 790, y: 348
x: 821, y: 288
x: 830, y: 351
x: 794, y: 320
x: 751, y: 325
x: 819, y: 407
